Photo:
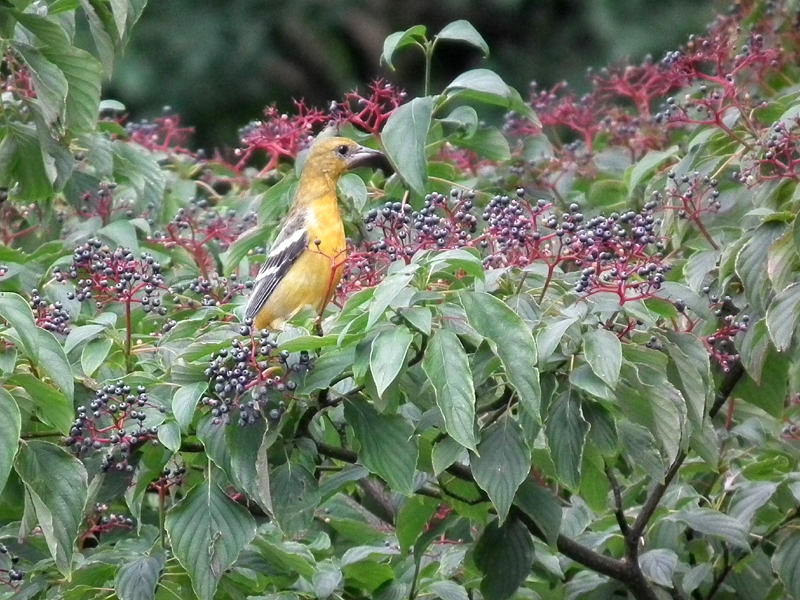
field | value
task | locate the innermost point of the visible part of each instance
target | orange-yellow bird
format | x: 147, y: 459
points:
x: 306, y: 260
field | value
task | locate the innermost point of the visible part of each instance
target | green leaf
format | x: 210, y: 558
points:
x: 770, y: 394
x: 404, y: 137
x: 328, y: 367
x: 247, y: 448
x: 449, y: 590
x: 488, y: 142
x: 465, y: 119
x: 693, y: 368
x: 659, y: 565
x: 447, y: 367
x: 10, y: 426
x: 22, y: 165
x: 54, y: 408
x: 326, y: 579
x: 504, y: 554
x: 783, y: 314
x: 169, y: 434
x: 184, y: 402
x: 713, y: 522
x: 207, y: 531
x: 46, y: 31
x: 401, y: 39
x: 463, y: 31
x: 415, y: 514
x: 94, y: 354
x: 121, y: 234
x: 137, y: 578
x: 488, y: 87
x: 480, y: 80
x: 138, y: 168
x: 352, y: 187
x: 15, y: 311
x: 54, y: 363
x: 388, y: 446
x: 502, y: 463
x: 781, y: 261
x: 751, y: 263
x: 295, y: 496
x: 647, y: 164
x: 150, y: 468
x: 386, y: 291
x: 446, y: 452
x: 786, y: 562
x: 419, y: 317
x: 49, y: 82
x: 78, y: 335
x: 388, y: 356
x: 103, y: 41
x: 82, y: 72
x: 542, y: 506
x: 748, y: 498
x: 566, y: 436
x: 549, y: 337
x: 603, y: 352
x: 56, y: 484
x: 513, y: 343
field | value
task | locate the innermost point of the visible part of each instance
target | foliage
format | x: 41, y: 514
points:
x: 562, y: 361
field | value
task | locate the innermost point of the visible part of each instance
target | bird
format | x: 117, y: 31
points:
x: 306, y: 260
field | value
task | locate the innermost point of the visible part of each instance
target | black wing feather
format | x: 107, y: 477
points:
x: 277, y: 264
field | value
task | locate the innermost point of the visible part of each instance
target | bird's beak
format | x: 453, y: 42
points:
x: 367, y: 157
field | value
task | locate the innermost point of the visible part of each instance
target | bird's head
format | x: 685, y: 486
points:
x: 337, y: 155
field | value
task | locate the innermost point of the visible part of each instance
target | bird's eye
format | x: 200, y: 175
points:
x: 342, y: 150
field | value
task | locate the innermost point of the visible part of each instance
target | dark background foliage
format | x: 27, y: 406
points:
x: 218, y: 64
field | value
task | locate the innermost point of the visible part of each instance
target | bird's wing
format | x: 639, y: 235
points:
x: 285, y: 251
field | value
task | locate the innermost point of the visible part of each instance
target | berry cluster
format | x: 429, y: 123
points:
x: 17, y: 221
x: 104, y: 204
x: 203, y: 232
x: 169, y: 478
x: 12, y: 575
x: 519, y: 231
x: 721, y: 343
x: 620, y: 254
x: 397, y: 231
x: 691, y: 196
x: 251, y: 378
x: 99, y: 522
x: 280, y: 135
x: 368, y: 113
x: 15, y: 78
x: 114, y: 421
x: 106, y: 276
x: 49, y: 316
x: 163, y: 134
x: 214, y: 291
x: 777, y: 155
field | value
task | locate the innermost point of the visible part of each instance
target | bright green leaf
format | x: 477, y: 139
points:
x: 463, y: 31
x: 566, y: 431
x: 56, y: 484
x: 387, y: 443
x: 208, y: 530
x: 447, y: 367
x: 388, y: 355
x: 502, y: 464
x: 604, y: 354
x: 404, y: 137
x: 504, y: 554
